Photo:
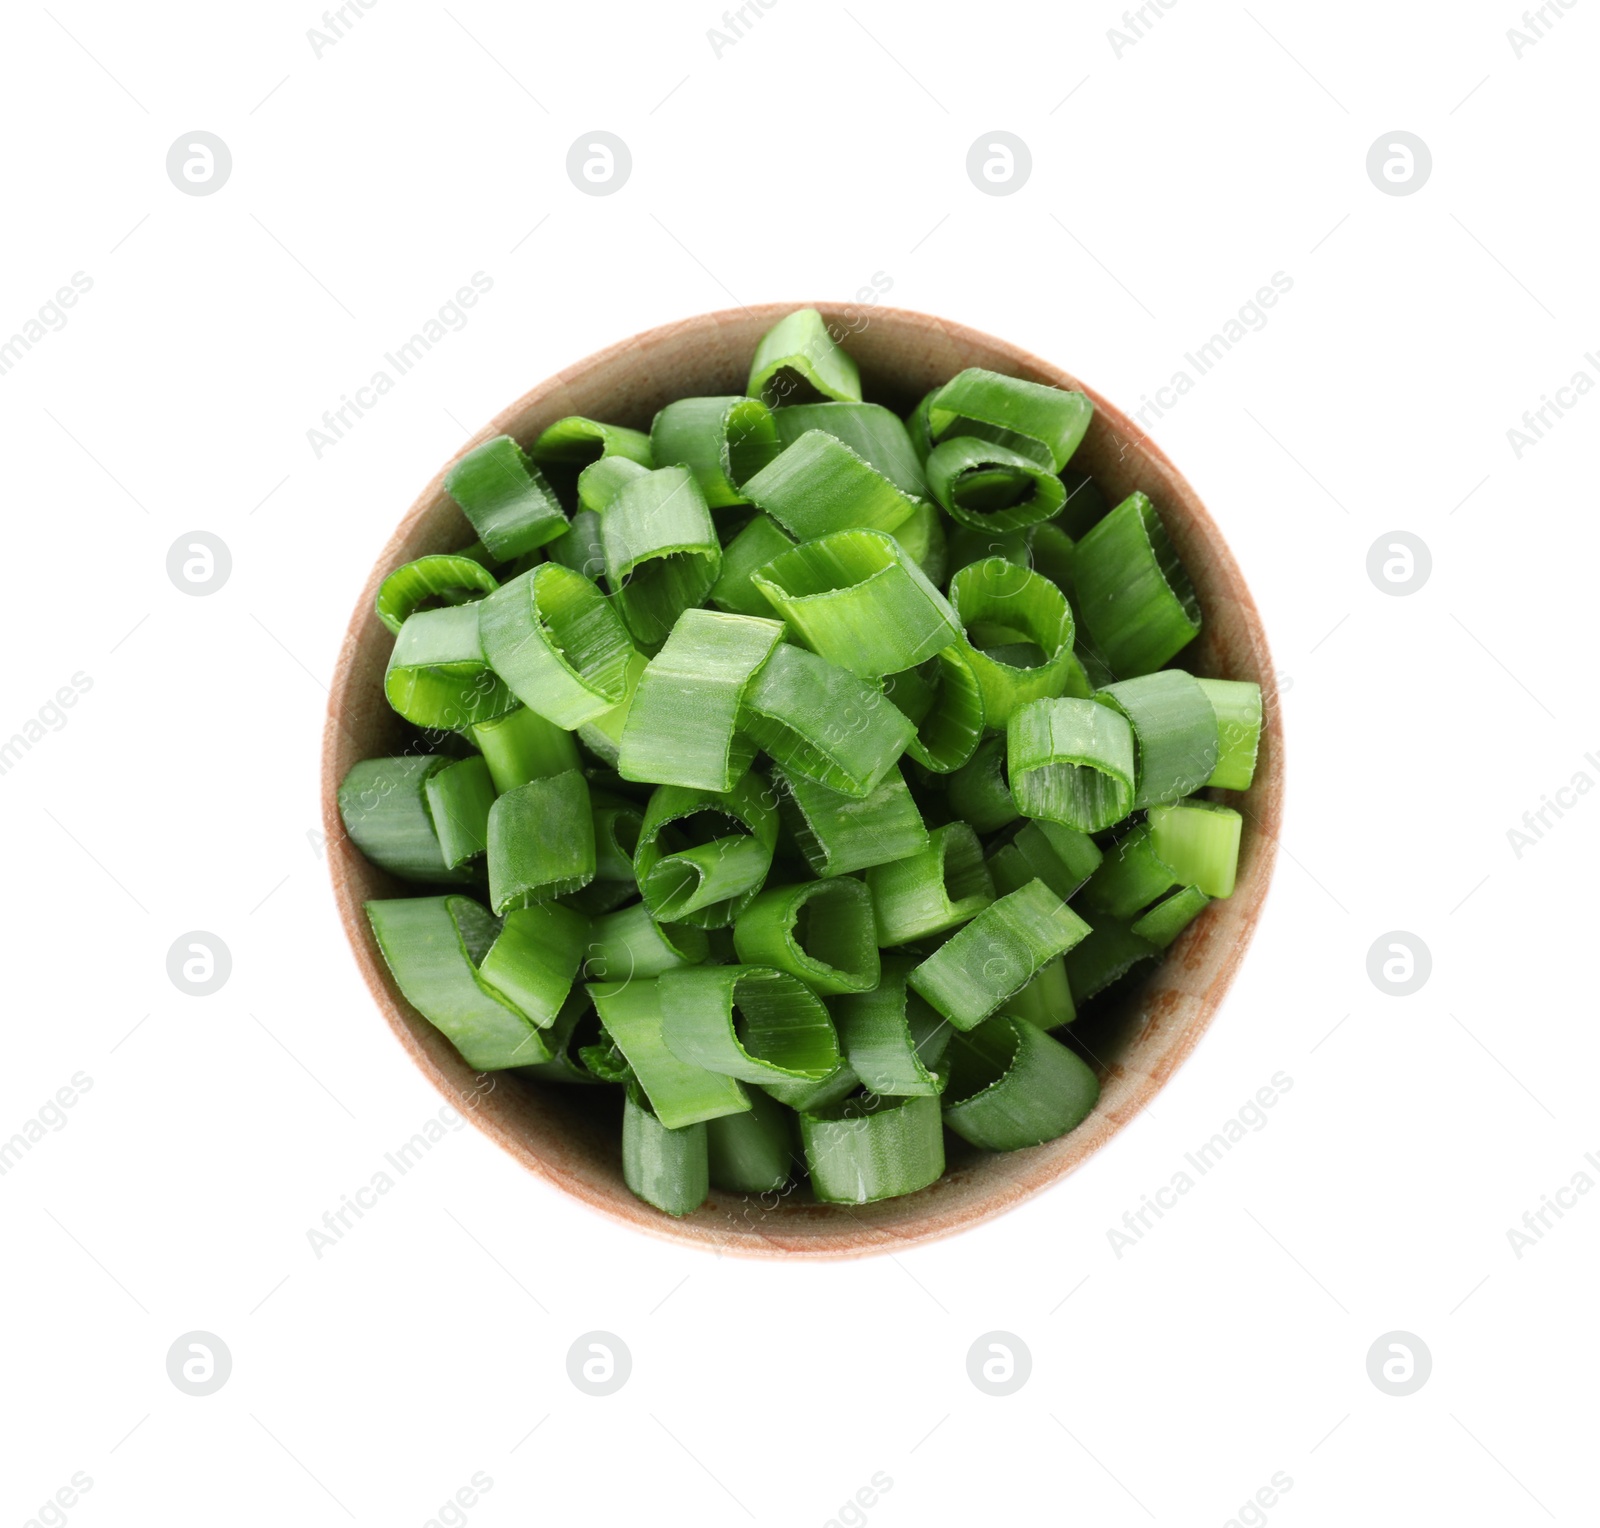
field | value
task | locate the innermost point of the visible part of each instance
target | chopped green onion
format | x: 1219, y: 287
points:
x: 757, y: 544
x: 541, y: 842
x: 598, y: 486
x: 685, y: 831
x: 577, y: 442
x: 1047, y: 1000
x: 1174, y: 733
x: 1071, y: 761
x: 533, y: 962
x: 572, y: 1030
x: 1111, y: 952
x: 722, y: 441
x: 385, y: 809
x: 437, y: 676
x: 1131, y: 876
x: 662, y: 552
x: 580, y: 547
x: 870, y: 430
x: 522, y: 746
x: 1237, y: 704
x: 819, y: 485
x: 666, y: 1168
x: 838, y: 1084
x: 838, y: 834
x: 991, y: 488
x: 715, y: 876
x: 511, y: 506
x: 820, y: 931
x: 797, y: 358
x: 922, y: 535
x: 752, y: 1153
x: 891, y: 1037
x: 629, y: 944
x: 935, y: 889
x: 1086, y: 503
x: 1046, y: 422
x: 749, y: 1022
x: 1200, y: 840
x: 1001, y: 605
x: 616, y: 836
x: 460, y: 797
x: 1171, y: 916
x: 980, y: 791
x: 603, y: 735
x: 455, y: 578
x: 943, y: 700
x: 870, y: 1148
x: 1011, y: 1086
x: 1060, y: 857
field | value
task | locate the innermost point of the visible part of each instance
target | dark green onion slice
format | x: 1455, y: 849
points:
x: 838, y: 834
x: 433, y: 946
x: 603, y: 1060
x: 1047, y: 1000
x: 1086, y: 503
x: 533, y: 962
x: 873, y: 1147
x: 1071, y: 761
x: 756, y: 545
x: 722, y: 441
x: 573, y: 1029
x: 1200, y: 840
x: 820, y: 931
x: 1060, y: 857
x: 752, y: 1153
x: 1134, y: 597
x: 666, y: 1168
x: 936, y: 889
x: 459, y: 800
x: 819, y: 485
x: 892, y: 1038
x: 797, y: 360
x: 1171, y: 916
x: 437, y: 676
x: 1052, y: 552
x: 1174, y: 733
x: 980, y: 791
x: 1001, y: 605
x: 870, y: 430
x: 1111, y: 952
x: 994, y: 956
x: 689, y: 829
x: 541, y: 842
x: 942, y: 699
x: 603, y: 735
x: 682, y: 725
x: 577, y: 442
x: 1131, y: 876
x: 629, y: 944
x: 1049, y: 419
x: 454, y: 578
x: 749, y: 1022
x: 384, y: 806
x: 511, y: 506
x: 662, y: 552
x: 522, y: 746
x: 1237, y: 704
x: 990, y: 487
x: 922, y: 535
x: 1011, y: 1086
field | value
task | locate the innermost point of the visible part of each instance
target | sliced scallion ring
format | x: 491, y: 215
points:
x: 870, y: 430
x: 723, y: 441
x: 384, y: 806
x: 522, y: 746
x: 892, y: 1038
x: 535, y: 958
x: 938, y: 888
x: 1026, y: 622
x: 819, y: 485
x: 511, y: 506
x: 437, y: 676
x: 991, y: 488
x: 541, y: 842
x: 1237, y: 704
x: 662, y: 552
x: 1131, y: 876
x: 1011, y: 1085
x: 460, y: 797
x: 1174, y: 733
x: 798, y: 360
x: 666, y: 1168
x: 1163, y: 923
x: 576, y: 442
x: 749, y: 1022
x: 1062, y: 858
x: 1071, y: 761
x: 752, y: 1153
x: 755, y: 545
x: 1200, y: 841
x: 979, y: 792
x: 629, y: 945
x: 820, y: 931
x: 838, y: 834
x: 1050, y: 421
x: 871, y: 1147
x: 690, y: 828
x: 454, y: 578
x: 943, y: 700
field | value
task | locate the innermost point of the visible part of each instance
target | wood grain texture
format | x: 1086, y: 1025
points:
x: 570, y: 1137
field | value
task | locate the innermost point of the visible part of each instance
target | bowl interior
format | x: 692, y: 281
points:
x: 1135, y: 1037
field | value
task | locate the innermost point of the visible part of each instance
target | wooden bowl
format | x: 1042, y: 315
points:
x: 571, y: 1137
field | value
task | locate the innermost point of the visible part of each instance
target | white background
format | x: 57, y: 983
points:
x: 1169, y: 182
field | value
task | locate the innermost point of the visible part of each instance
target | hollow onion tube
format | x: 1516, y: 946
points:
x: 859, y: 601
x: 511, y: 506
x: 722, y: 441
x: 818, y: 721
x: 891, y: 1037
x: 1174, y: 733
x: 460, y: 797
x: 1131, y: 876
x: 942, y: 699
x: 995, y: 599
x: 666, y: 1168
x: 437, y: 676
x: 1169, y: 917
x: 1134, y: 597
x: 556, y: 641
x: 870, y: 430
x: 1200, y: 841
x: 1060, y: 857
x: 384, y: 806
x: 573, y: 1028
x: 432, y: 946
x: 629, y: 944
x: 680, y: 867
x: 535, y: 958
x: 753, y: 1152
x: 541, y: 842
x: 819, y: 485
x: 1237, y: 704
x: 1052, y: 419
x: 455, y: 578
x: 1011, y: 1085
x: 576, y: 442
x: 1111, y: 951
x: 922, y: 535
x: 980, y: 791
x: 682, y: 725
x: 748, y: 1022
x: 838, y: 834
x: 990, y: 487
x: 522, y: 746
x: 820, y: 931
x: 1047, y: 1000
x: 994, y: 956
x: 756, y: 545
x: 936, y: 889
x: 681, y: 1092
x: 1071, y: 761
x: 869, y: 1148
x: 662, y: 552
x: 797, y: 357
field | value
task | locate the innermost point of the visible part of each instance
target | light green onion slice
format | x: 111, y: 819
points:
x: 938, y: 888
x: 752, y: 1153
x: 859, y: 601
x: 459, y: 799
x: 682, y: 725
x: 994, y: 956
x: 922, y: 535
x: 819, y: 485
x: 819, y: 721
x: 840, y: 1083
x: 722, y: 441
x: 871, y: 431
x: 838, y: 834
x: 980, y: 791
x: 1171, y: 916
x: 533, y: 962
x: 580, y: 547
x: 1060, y: 857
x: 629, y: 945
x: 892, y: 1038
x: 616, y: 836
x: 433, y: 946
x: 873, y: 1147
x: 1050, y: 421
x: 577, y: 442
x: 666, y: 1168
x: 437, y: 676
x: 1174, y: 733
x: 511, y: 506
x: 522, y: 746
x: 453, y: 578
x: 541, y: 842
x: 820, y: 931
x: 599, y: 484
x: 1200, y: 840
x: 1131, y: 876
x: 1134, y: 597
x: 797, y: 359
x: 1237, y: 704
x: 1111, y: 952
x: 942, y: 699
x: 1026, y: 620
x: 1011, y: 1085
x: 556, y: 641
x: 689, y: 829
x: 681, y: 1092
x: 990, y: 487
x: 662, y: 552
x: 384, y: 806
x: 702, y: 877
x: 603, y: 735
x: 1071, y: 761
x: 749, y: 1022
x: 756, y: 545
x: 1047, y: 1000
x: 575, y: 1027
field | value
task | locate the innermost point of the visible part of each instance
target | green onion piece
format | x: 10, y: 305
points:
x: 820, y: 931
x: 1050, y: 420
x: 922, y: 535
x: 384, y: 806
x: 556, y: 641
x: 533, y: 962
x: 749, y: 1022
x: 991, y: 488
x: 603, y: 735
x: 690, y: 828
x: 666, y: 1168
x: 455, y: 578
x: 573, y: 1029
x: 1111, y: 952
x: 599, y: 484
x: 1071, y: 761
x: 840, y: 1083
x: 818, y: 721
x: 541, y: 842
x: 604, y: 1061
x: 917, y: 430
x: 437, y: 676
x: 1094, y: 666
x: 580, y: 547
x: 722, y: 441
x: 1047, y: 1000
x: 1060, y: 857
x: 629, y: 944
x: 1174, y: 733
x: 935, y: 889
x: 716, y: 875
x: 433, y: 946
x: 1011, y: 1086
x: 1004, y: 606
x: 522, y: 746
x: 970, y: 544
x: 1237, y: 704
x: 994, y: 956
x: 680, y: 1092
x: 1052, y: 552
x: 599, y: 897
x: 1200, y: 840
x: 1171, y: 916
x: 682, y: 726
x: 459, y: 799
x: 1131, y: 876
x: 891, y: 1037
x: 616, y: 836
x: 942, y: 699
x: 980, y: 791
x: 662, y: 552
x: 757, y: 544
x: 511, y: 506
x: 838, y: 834
x: 874, y: 1147
x: 870, y: 430
x: 797, y: 359
x: 1134, y: 596
x: 751, y: 1153
x: 577, y: 442
x: 477, y: 553
x: 819, y: 485
x: 1086, y: 503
